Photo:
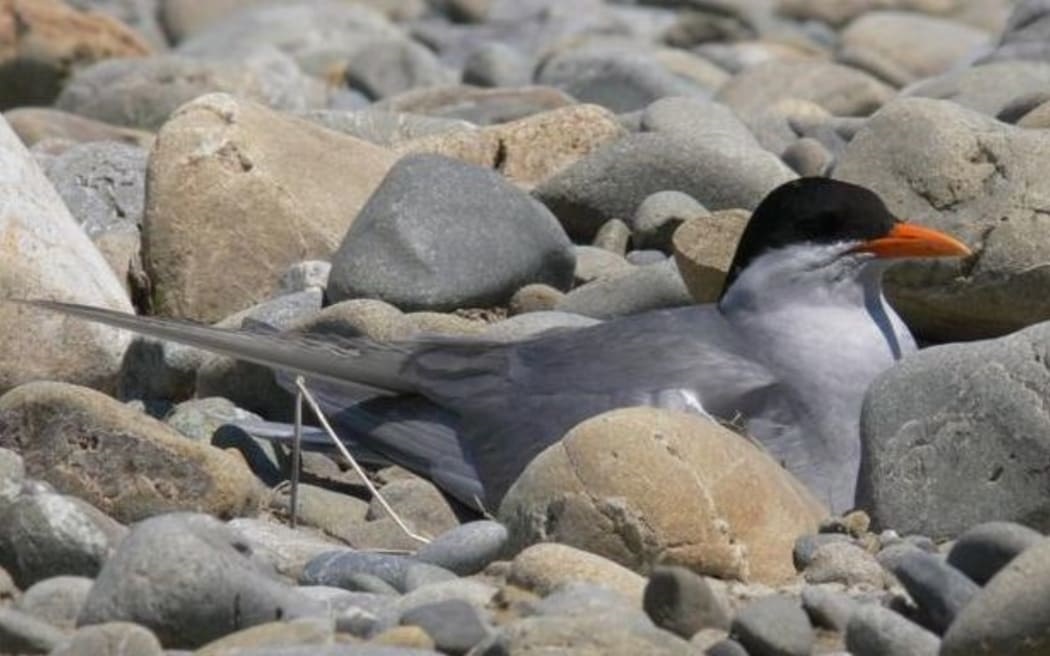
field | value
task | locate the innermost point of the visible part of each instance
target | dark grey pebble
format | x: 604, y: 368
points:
x: 363, y: 582
x: 466, y: 549
x: 986, y: 548
x: 828, y: 609
x: 773, y: 626
x: 877, y: 631
x: 939, y: 590
x: 335, y: 567
x: 727, y: 647
x: 418, y: 575
x: 682, y: 602
x: 454, y: 625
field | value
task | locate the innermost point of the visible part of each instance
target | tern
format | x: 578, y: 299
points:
x: 800, y: 331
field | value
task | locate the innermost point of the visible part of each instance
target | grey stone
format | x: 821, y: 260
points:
x: 727, y: 647
x: 983, y: 550
x: 1025, y: 34
x: 334, y: 513
x: 699, y: 120
x: 981, y: 403
x: 440, y: 234
x: 56, y: 600
x: 827, y: 607
x: 466, y: 549
x: 383, y: 127
x: 939, y: 590
x: 202, y: 583
x: 455, y: 625
x: 535, y: 298
x: 773, y: 626
x: 621, y: 80
x: 983, y: 182
x: 153, y: 369
x: 12, y: 475
x: 362, y: 582
x: 659, y: 215
x: 419, y: 503
x: 301, y: 276
x: 589, y: 599
x: 143, y: 92
x: 334, y: 567
x: 613, y: 236
x: 471, y: 591
x: 613, y: 181
x: 809, y: 157
x: 392, y: 66
x: 645, y: 257
x: 141, y: 15
x: 533, y: 323
x: 877, y: 631
x: 1008, y: 617
x: 112, y: 639
x: 287, y: 550
x: 497, y: 65
x: 198, y: 419
x: 987, y: 89
x: 477, y: 105
x: 21, y: 633
x: 419, y: 575
x: 46, y: 535
x: 680, y: 601
x: 645, y: 288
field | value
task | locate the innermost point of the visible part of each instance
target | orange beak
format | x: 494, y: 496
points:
x: 911, y: 240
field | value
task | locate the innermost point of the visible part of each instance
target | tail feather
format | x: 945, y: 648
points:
x: 356, y: 360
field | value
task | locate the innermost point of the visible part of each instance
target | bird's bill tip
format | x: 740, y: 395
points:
x: 912, y: 240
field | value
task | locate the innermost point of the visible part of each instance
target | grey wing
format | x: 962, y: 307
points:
x: 514, y: 400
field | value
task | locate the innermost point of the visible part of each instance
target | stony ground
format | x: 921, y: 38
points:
x: 501, y: 167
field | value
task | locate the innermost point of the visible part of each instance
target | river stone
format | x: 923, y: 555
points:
x: 985, y: 549
x: 877, y: 631
x: 56, y: 600
x: 127, y: 464
x: 987, y: 89
x: 221, y: 180
x: 980, y: 180
x: 703, y: 251
x: 45, y: 254
x: 593, y: 490
x: 35, y: 124
x: 544, y: 567
x: 111, y: 639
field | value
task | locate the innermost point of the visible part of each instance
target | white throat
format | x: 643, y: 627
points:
x: 817, y: 319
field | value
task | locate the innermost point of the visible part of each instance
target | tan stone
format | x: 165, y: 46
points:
x: 35, y: 124
x: 644, y: 486
x: 1038, y: 118
x: 237, y: 194
x: 45, y: 254
x: 704, y: 249
x: 543, y: 567
x: 409, y: 637
x: 530, y: 149
x: 125, y: 463
x: 54, y: 39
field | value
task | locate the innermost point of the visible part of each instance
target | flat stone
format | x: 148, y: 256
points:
x: 636, y: 290
x: 543, y: 567
x: 315, y: 631
x: 466, y: 549
x: 773, y: 626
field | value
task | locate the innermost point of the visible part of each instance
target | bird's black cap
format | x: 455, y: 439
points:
x: 811, y: 210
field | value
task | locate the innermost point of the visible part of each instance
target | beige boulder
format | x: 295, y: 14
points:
x: 125, y: 463
x: 644, y: 486
x: 704, y: 249
x: 237, y: 194
x: 544, y: 567
x: 45, y: 254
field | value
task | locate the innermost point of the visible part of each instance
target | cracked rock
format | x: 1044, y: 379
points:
x: 596, y: 490
x: 959, y: 434
x: 939, y: 164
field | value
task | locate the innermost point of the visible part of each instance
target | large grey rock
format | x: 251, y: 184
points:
x: 983, y: 181
x: 938, y: 589
x: 621, y: 79
x: 45, y: 254
x: 104, y: 186
x: 144, y: 92
x: 877, y: 631
x: 1010, y: 616
x: 613, y: 181
x: 46, y: 535
x: 439, y: 234
x: 841, y: 90
x: 985, y: 549
x: 201, y: 583
x: 951, y: 434
x: 987, y: 89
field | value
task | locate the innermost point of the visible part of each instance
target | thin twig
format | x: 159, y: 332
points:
x: 301, y: 386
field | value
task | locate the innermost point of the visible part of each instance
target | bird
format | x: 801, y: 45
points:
x: 799, y: 332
